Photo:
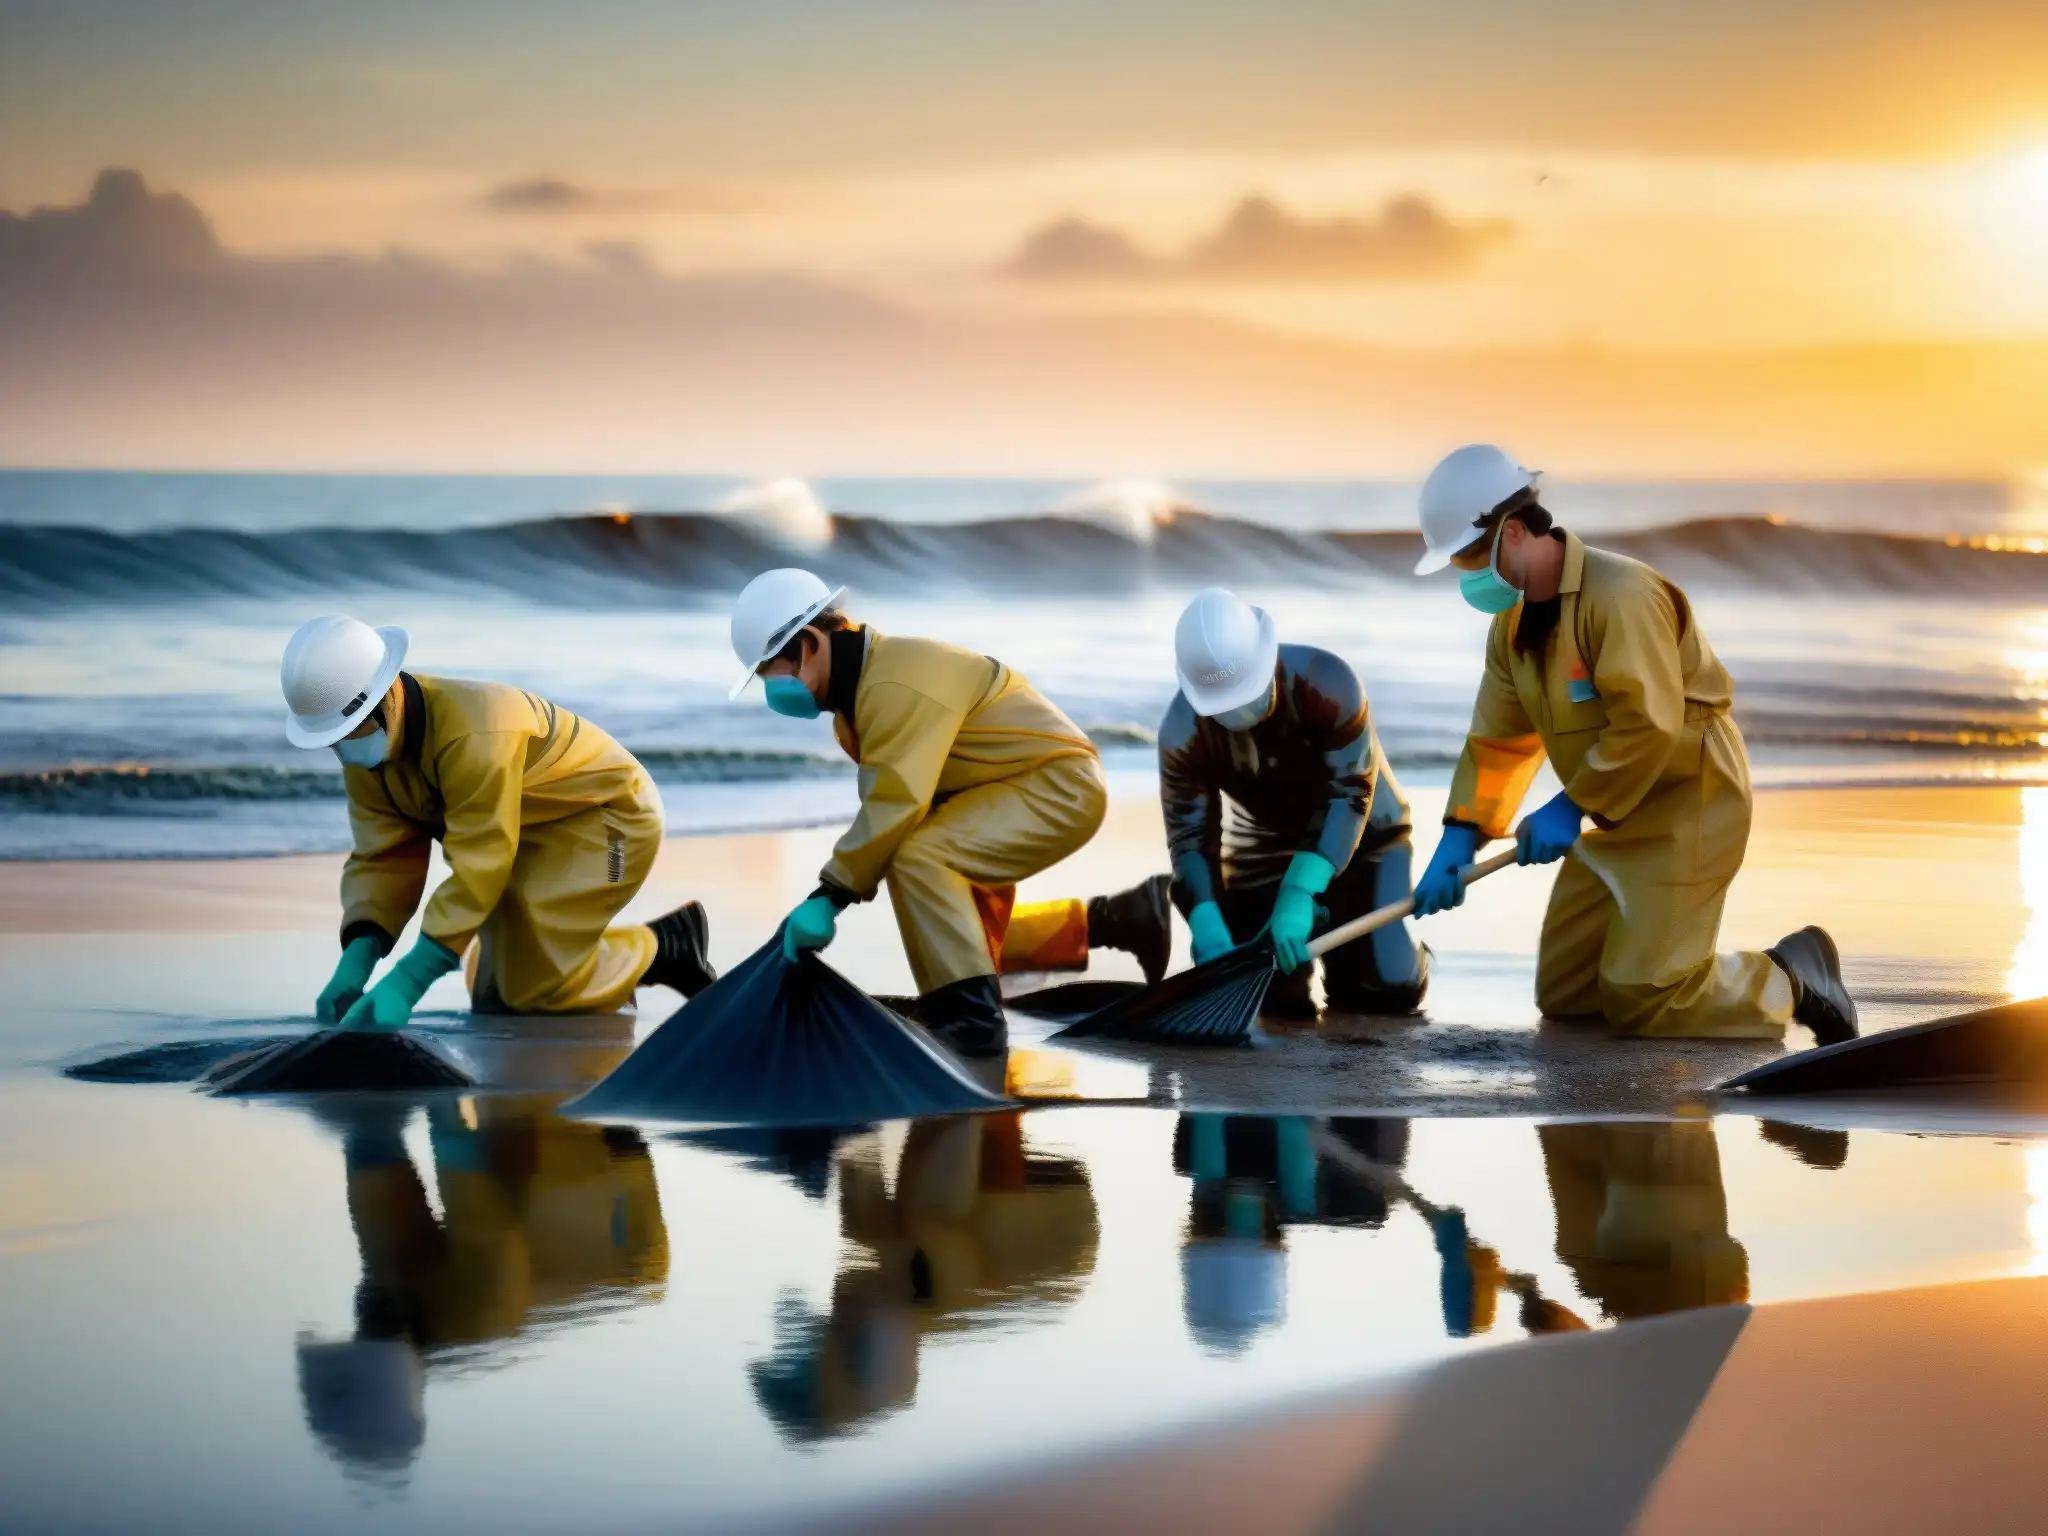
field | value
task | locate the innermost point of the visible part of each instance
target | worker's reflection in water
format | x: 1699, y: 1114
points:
x: 1252, y: 1176
x: 982, y: 1229
x: 1642, y: 1219
x: 544, y: 1220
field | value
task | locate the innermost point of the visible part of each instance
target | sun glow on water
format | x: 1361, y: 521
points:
x: 2036, y: 1164
x: 2028, y: 974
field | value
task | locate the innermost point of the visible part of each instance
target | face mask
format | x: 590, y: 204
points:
x: 1488, y: 590
x: 1245, y: 716
x: 363, y: 751
x: 788, y: 696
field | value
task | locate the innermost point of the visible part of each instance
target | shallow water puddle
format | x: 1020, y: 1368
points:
x: 470, y: 1309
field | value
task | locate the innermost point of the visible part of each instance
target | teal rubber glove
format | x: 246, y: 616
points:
x: 813, y: 925
x: 1294, y: 909
x: 359, y: 957
x: 1547, y: 835
x: 1442, y: 885
x: 388, y: 1005
x: 1209, y: 933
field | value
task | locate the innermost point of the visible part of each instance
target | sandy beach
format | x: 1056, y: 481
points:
x: 403, y: 1307
x: 1932, y: 894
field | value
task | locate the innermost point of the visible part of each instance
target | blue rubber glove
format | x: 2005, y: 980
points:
x: 1294, y: 909
x: 389, y: 1004
x: 1442, y: 885
x: 1547, y: 835
x: 359, y: 957
x: 1456, y: 1285
x: 1208, y: 933
x: 813, y: 925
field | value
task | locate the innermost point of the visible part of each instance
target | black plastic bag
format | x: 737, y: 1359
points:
x: 2003, y: 1046
x: 772, y: 1043
x: 338, y: 1061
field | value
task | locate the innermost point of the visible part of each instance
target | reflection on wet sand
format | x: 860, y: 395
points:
x: 544, y: 1222
x: 1642, y: 1218
x: 978, y: 1227
x: 1252, y: 1176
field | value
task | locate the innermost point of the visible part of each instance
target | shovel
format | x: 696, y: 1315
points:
x: 1218, y: 1003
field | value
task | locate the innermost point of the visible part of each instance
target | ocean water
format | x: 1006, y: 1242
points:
x: 1884, y: 631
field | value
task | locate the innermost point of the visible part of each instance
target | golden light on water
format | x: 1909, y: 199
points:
x: 2028, y: 974
x: 2036, y: 1163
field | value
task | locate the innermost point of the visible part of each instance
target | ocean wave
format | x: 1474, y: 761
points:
x: 144, y: 789
x: 150, y: 789
x: 623, y: 560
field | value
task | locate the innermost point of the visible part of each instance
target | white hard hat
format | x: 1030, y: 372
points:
x: 365, y: 1399
x: 771, y: 608
x: 1465, y: 489
x: 335, y: 669
x: 1231, y: 1289
x: 1224, y: 651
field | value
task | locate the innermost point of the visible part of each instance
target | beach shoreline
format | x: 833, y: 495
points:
x: 1938, y: 898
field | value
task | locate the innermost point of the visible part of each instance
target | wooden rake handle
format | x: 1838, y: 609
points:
x: 1372, y: 922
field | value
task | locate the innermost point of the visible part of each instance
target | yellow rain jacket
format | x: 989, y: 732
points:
x: 548, y: 826
x: 969, y: 782
x: 1630, y: 705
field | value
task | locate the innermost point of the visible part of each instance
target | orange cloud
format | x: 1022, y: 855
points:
x: 1261, y: 242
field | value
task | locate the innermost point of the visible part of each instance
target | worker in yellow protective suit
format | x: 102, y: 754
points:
x: 549, y: 828
x: 970, y: 781
x: 1597, y: 663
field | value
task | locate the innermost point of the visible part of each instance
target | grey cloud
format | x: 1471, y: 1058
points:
x: 121, y: 227
x: 1261, y: 242
x: 557, y: 196
x: 540, y: 194
x: 1074, y: 249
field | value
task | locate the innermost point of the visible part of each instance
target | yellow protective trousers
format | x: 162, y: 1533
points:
x: 952, y: 879
x: 547, y: 946
x: 1633, y: 919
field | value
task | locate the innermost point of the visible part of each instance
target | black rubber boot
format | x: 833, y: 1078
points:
x: 967, y: 1018
x: 1139, y: 922
x: 1289, y: 997
x: 1379, y: 999
x: 682, y: 954
x: 1819, y: 999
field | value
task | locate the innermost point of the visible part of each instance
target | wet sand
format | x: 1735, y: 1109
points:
x: 463, y: 1311
x: 1931, y: 893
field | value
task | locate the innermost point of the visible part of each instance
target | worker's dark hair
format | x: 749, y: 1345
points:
x: 830, y: 622
x: 1523, y: 508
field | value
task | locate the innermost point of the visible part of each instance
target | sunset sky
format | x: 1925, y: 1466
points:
x: 1703, y: 217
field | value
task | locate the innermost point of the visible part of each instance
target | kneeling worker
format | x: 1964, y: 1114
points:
x: 1597, y: 662
x: 1283, y: 732
x: 970, y: 781
x: 548, y: 825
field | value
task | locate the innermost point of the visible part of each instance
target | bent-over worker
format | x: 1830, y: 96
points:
x: 1597, y: 662
x: 1278, y: 803
x: 549, y: 828
x: 970, y: 781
